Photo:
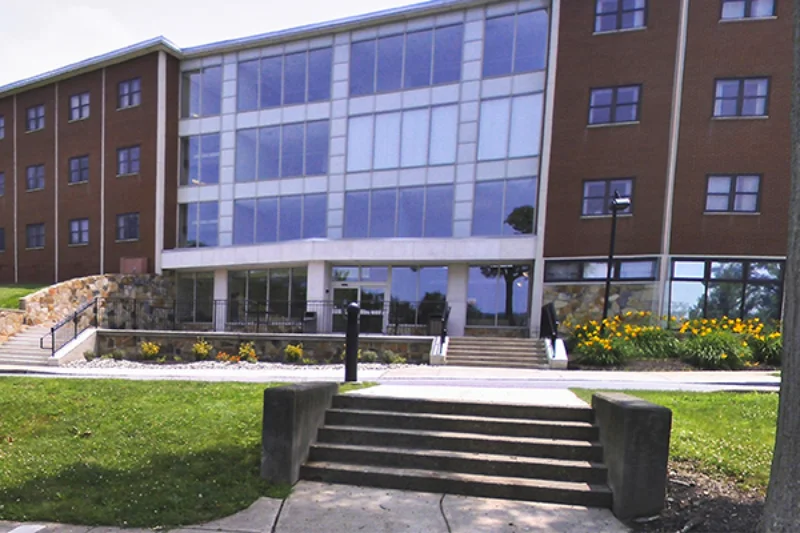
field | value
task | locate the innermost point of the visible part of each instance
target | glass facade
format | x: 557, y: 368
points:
x: 504, y: 207
x: 515, y: 43
x: 199, y: 224
x: 499, y: 295
x: 195, y: 297
x: 279, y: 292
x: 289, y: 150
x: 284, y: 218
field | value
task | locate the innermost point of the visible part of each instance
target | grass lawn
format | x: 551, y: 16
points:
x: 721, y: 433
x: 10, y: 294
x: 129, y: 453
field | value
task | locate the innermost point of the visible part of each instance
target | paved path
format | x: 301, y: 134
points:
x: 324, y: 508
x: 438, y: 376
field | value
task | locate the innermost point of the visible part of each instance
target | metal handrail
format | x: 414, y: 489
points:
x: 549, y: 323
x: 64, y: 322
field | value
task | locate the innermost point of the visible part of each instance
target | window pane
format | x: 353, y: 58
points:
x: 724, y: 299
x: 626, y: 113
x: 359, y: 143
x: 600, y: 115
x: 562, y: 271
x: 689, y: 269
x: 315, y: 216
x: 294, y: 78
x: 727, y: 270
x: 439, y: 211
x: 719, y: 184
x: 754, y: 107
x: 498, y: 46
x: 387, y: 141
x: 488, y: 210
x: 483, y: 298
x: 418, y: 59
x: 687, y: 299
x: 493, y: 136
x: 191, y: 95
x: 319, y: 74
x: 343, y: 273
x: 716, y: 202
x: 444, y: 134
x: 356, y: 215
x: 404, y: 284
x: 212, y: 90
x: 526, y: 125
x: 415, y: 138
x: 390, y: 63
x: 247, y: 90
x: 595, y: 270
x: 627, y: 95
x: 594, y: 206
x: 382, y: 213
x: 362, y: 68
x: 244, y: 217
x: 632, y: 19
x: 292, y: 150
x: 747, y: 184
x: 765, y: 270
x: 733, y: 9
x: 316, y: 148
x: 267, y: 220
x: 269, y: 152
x: 607, y: 6
x: 271, y: 69
x: 746, y: 203
x: 763, y: 301
x: 531, y: 47
x: 762, y: 8
x: 623, y: 187
x: 290, y: 213
x: 410, y: 208
x: 447, y: 54
x: 279, y: 291
x: 637, y: 270
x: 728, y: 88
x: 601, y: 97
x: 756, y: 87
x: 605, y: 23
x: 246, y: 155
x: 519, y: 211
x: 208, y: 234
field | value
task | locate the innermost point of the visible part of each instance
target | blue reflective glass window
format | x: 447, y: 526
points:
x: 381, y: 217
x: 356, y: 215
x: 418, y: 59
x: 271, y: 69
x: 319, y: 74
x: 193, y: 151
x: 404, y: 284
x: 390, y: 63
x: 410, y: 212
x: 212, y: 91
x: 246, y: 155
x: 267, y: 220
x: 498, y: 46
x: 189, y: 225
x: 530, y: 50
x: 519, y: 206
x: 432, y: 282
x: 290, y: 223
x: 247, y: 86
x: 488, y: 208
x: 292, y: 150
x: 208, y: 224
x: 244, y: 220
x: 316, y: 153
x: 269, y: 152
x: 294, y: 78
x: 315, y: 216
x: 362, y: 68
x: 448, y: 46
x: 439, y: 211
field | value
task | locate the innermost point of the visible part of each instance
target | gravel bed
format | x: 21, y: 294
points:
x: 215, y: 365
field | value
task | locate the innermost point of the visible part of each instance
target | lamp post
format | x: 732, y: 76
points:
x: 618, y: 203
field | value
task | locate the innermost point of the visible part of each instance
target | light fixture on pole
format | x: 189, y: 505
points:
x: 618, y: 203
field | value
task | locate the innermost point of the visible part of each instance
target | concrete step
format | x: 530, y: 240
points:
x: 489, y: 410
x: 25, y: 361
x: 523, y: 344
x: 462, y: 442
x: 498, y: 356
x: 497, y: 364
x: 467, y: 463
x: 595, y: 495
x: 496, y: 353
x: 464, y: 424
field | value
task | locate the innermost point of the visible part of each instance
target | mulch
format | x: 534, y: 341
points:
x: 697, y: 503
x: 657, y: 365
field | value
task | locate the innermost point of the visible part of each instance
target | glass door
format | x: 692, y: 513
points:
x: 370, y: 298
x: 342, y: 296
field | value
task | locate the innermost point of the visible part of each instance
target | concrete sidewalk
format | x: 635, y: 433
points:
x: 320, y: 507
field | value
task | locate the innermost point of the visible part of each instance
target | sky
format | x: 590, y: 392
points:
x: 42, y: 35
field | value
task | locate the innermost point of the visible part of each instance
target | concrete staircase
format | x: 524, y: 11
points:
x: 23, y: 348
x: 546, y: 454
x: 496, y: 352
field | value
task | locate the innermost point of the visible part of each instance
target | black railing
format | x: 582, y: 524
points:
x: 275, y: 316
x: 445, y: 318
x: 549, y: 323
x: 69, y: 328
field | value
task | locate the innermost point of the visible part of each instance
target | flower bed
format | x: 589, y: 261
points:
x: 706, y: 343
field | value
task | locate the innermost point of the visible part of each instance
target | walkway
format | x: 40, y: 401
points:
x: 320, y: 507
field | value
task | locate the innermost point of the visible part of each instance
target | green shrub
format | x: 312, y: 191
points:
x: 89, y: 355
x: 391, y: 358
x: 606, y: 353
x: 653, y: 343
x: 367, y: 356
x: 294, y: 353
x: 716, y: 350
x: 767, y: 349
x: 202, y: 349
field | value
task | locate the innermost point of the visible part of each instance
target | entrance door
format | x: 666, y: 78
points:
x: 371, y: 300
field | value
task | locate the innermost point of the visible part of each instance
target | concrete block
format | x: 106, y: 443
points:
x: 635, y: 437
x: 292, y: 416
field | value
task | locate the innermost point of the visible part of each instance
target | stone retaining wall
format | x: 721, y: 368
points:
x: 578, y: 303
x: 317, y: 348
x: 58, y: 301
x: 11, y: 322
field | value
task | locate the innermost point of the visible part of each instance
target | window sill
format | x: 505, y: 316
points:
x: 28, y: 249
x: 127, y: 175
x: 81, y: 119
x: 33, y: 131
x: 609, y: 215
x: 77, y: 244
x: 34, y: 190
x: 612, y: 124
x: 742, y: 117
x: 747, y: 19
x: 121, y: 241
x: 599, y: 280
x: 129, y: 107
x: 622, y: 30
x: 71, y: 183
x: 745, y: 213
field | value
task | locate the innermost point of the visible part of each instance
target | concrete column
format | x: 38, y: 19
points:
x: 220, y: 295
x: 457, y: 279
x: 318, y: 290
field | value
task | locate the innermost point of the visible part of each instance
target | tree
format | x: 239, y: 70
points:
x: 783, y: 494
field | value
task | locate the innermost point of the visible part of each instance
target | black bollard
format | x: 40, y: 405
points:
x: 351, y: 343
